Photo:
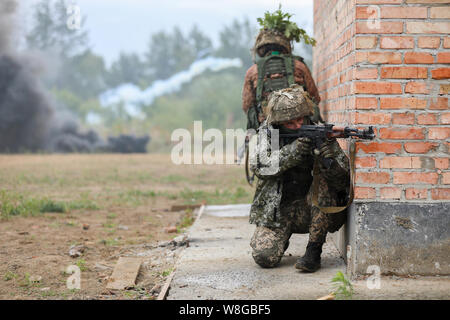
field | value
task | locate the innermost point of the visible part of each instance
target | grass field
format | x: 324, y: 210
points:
x: 111, y: 204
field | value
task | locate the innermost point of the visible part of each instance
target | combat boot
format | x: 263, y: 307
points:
x: 310, y: 262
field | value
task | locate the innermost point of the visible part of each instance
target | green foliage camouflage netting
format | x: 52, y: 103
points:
x: 281, y: 22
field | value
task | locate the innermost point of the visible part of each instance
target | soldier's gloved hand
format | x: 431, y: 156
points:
x: 327, y: 150
x: 304, y: 146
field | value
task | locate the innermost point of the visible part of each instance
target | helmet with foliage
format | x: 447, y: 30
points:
x: 271, y: 37
x: 277, y: 29
x: 289, y: 104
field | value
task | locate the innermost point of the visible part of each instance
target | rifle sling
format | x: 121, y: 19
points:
x: 247, y: 169
x: 315, y: 186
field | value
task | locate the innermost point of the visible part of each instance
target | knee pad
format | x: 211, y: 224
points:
x: 266, y: 258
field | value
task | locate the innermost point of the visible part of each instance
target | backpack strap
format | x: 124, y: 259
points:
x: 290, y: 65
x: 260, y: 84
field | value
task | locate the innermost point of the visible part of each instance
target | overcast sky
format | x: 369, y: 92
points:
x: 126, y: 25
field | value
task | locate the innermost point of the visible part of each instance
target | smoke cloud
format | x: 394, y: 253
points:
x: 132, y: 96
x: 29, y: 119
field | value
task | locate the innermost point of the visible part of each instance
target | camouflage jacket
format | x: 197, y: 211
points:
x: 271, y: 168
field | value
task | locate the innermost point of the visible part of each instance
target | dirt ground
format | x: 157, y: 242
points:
x: 113, y: 205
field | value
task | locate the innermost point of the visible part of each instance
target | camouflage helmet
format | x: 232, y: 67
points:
x: 289, y: 104
x: 271, y: 36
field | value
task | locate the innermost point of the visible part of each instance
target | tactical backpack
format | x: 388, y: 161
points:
x: 280, y: 64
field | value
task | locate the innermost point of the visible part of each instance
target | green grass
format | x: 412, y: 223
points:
x: 217, y: 197
x: 71, y: 224
x: 9, y: 276
x: 81, y: 264
x: 165, y: 273
x: 109, y: 242
x: 49, y: 293
x: 26, y: 281
x: 134, y: 197
x: 109, y: 225
x: 172, y: 178
x: 188, y: 196
x: 12, y: 204
x: 187, y: 220
x: 342, y: 287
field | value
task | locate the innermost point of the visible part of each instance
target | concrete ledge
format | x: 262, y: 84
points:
x: 401, y: 238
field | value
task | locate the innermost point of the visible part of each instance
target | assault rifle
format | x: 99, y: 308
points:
x: 318, y: 135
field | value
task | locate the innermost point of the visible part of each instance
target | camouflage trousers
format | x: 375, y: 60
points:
x: 269, y: 244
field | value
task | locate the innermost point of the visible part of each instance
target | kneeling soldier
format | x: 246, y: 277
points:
x: 282, y: 203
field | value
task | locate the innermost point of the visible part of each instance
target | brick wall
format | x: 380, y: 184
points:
x: 386, y: 63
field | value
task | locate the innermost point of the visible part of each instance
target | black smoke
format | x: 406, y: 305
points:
x: 29, y: 118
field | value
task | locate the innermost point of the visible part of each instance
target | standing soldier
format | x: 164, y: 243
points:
x: 276, y: 67
x: 282, y: 204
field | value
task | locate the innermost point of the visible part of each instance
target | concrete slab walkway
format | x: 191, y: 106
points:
x: 218, y: 265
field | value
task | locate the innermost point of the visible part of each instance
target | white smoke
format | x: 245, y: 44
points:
x: 132, y: 96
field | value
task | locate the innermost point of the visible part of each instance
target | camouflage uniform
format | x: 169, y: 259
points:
x: 282, y: 201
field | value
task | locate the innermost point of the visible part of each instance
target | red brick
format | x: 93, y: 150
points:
x: 366, y: 13
x: 415, y: 193
x: 397, y: 43
x: 419, y: 147
x: 373, y: 118
x: 427, y: 1
x: 429, y: 42
x: 403, y: 12
x: 404, y: 73
x: 366, y: 42
x: 375, y: 57
x: 403, y: 118
x: 378, y: 87
x: 380, y: 27
x: 428, y: 118
x: 443, y: 57
x: 365, y: 162
x: 440, y: 73
x: 372, y: 177
x: 447, y: 42
x: 400, y: 162
x: 439, y: 103
x: 415, y: 177
x: 418, y: 57
x: 374, y: 147
x: 364, y: 193
x: 417, y: 87
x: 427, y: 27
x: 446, y: 177
x: 445, y: 118
x: 400, y: 133
x: 366, y: 103
x: 378, y: 1
x: 444, y: 89
x: 402, y: 103
x: 442, y: 163
x: 440, y: 194
x: 440, y: 13
x: 366, y: 73
x: 438, y: 133
x: 390, y: 193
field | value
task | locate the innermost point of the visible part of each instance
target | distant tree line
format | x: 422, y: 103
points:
x: 82, y: 75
